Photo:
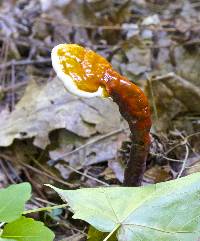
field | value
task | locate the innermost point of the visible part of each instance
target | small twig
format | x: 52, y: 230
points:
x: 149, y: 81
x: 45, y: 201
x: 24, y: 42
x: 48, y: 19
x: 35, y: 202
x: 174, y: 147
x: 14, y: 87
x: 71, y: 227
x: 183, y: 142
x: 54, y: 161
x: 6, y: 172
x: 184, y: 161
x: 4, y: 56
x: 41, y: 166
x: 45, y: 209
x: 86, y: 175
x: 47, y: 175
x: 13, y: 84
x: 193, y: 162
x: 112, y: 232
x: 13, y: 170
x: 33, y: 183
x: 191, y: 135
x: 76, y: 237
x: 194, y: 166
x: 165, y: 157
x: 24, y: 62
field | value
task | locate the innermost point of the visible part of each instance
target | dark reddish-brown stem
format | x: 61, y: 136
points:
x: 134, y: 107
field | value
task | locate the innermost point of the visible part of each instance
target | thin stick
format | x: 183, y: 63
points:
x: 111, y: 233
x: 13, y: 83
x: 182, y: 142
x: 191, y: 135
x: 45, y: 201
x: 6, y: 172
x: 165, y: 157
x: 86, y: 175
x: 14, y: 87
x: 45, y: 174
x: 149, y: 81
x: 88, y: 144
x: 45, y: 209
x: 48, y: 19
x: 33, y: 183
x: 184, y: 161
x: 24, y: 62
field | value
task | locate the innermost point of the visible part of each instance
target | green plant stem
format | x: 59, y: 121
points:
x: 111, y: 233
x: 45, y: 209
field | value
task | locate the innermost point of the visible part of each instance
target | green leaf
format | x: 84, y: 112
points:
x: 27, y: 229
x: 12, y: 201
x: 96, y: 235
x: 5, y: 239
x: 168, y: 211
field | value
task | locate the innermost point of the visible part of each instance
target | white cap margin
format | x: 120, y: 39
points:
x: 67, y: 80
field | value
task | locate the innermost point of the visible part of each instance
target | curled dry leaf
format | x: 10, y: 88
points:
x: 172, y: 97
x: 154, y: 212
x: 46, y: 107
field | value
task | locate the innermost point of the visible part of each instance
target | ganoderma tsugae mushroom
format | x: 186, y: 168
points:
x: 87, y: 74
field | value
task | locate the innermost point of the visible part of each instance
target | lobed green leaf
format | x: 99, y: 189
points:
x: 168, y: 211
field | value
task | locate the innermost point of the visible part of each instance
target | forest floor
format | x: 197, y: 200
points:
x: 49, y: 136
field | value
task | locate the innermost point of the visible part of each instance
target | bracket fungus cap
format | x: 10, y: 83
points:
x: 67, y: 80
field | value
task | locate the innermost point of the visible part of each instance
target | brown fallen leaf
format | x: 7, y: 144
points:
x: 46, y: 107
x: 171, y: 98
x: 80, y: 153
x: 158, y: 174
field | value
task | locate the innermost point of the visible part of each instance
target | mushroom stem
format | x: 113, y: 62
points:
x: 134, y: 107
x: 134, y: 171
